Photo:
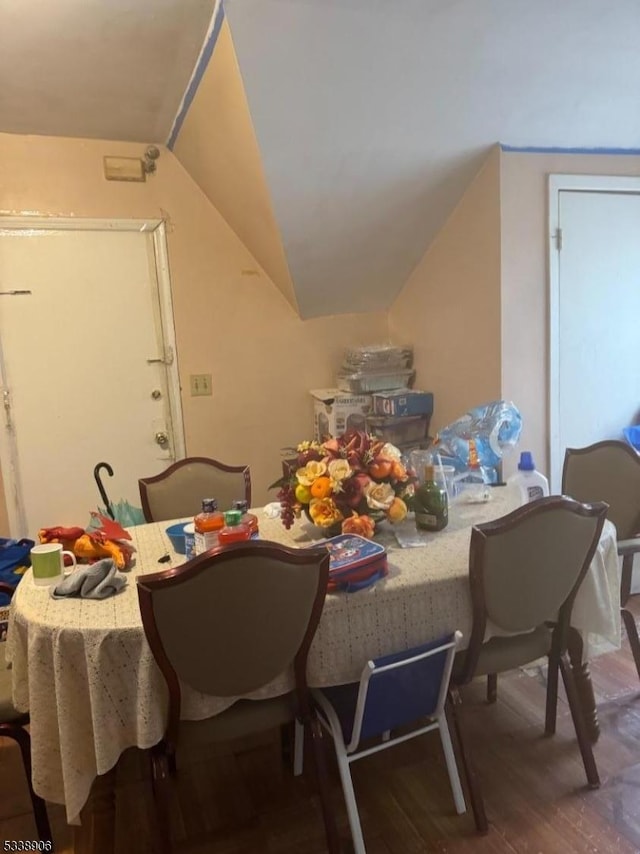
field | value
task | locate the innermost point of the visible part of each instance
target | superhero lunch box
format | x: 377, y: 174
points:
x: 354, y: 563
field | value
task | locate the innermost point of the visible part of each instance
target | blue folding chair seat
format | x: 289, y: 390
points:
x: 393, y: 691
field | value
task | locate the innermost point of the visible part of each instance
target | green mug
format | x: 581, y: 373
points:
x: 47, y: 563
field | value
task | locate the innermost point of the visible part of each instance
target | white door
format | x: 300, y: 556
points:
x: 595, y: 317
x: 88, y: 367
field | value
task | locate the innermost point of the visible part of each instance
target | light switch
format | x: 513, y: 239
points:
x: 200, y: 384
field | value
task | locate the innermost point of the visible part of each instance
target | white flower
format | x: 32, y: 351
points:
x: 391, y: 452
x: 379, y: 495
x: 339, y: 470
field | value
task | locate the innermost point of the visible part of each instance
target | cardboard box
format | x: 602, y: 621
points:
x: 336, y: 412
x: 403, y: 401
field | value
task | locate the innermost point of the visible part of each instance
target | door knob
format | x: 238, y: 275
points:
x: 162, y: 438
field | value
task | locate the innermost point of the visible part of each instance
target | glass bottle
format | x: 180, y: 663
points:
x: 235, y: 530
x: 207, y: 524
x: 248, y: 518
x: 430, y: 503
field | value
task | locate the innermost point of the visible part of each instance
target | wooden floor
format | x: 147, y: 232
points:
x: 237, y: 803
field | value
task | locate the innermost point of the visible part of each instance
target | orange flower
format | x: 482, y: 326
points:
x: 362, y: 525
x: 321, y: 487
x: 324, y: 512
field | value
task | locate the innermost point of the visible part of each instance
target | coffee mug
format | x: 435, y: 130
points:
x: 47, y: 563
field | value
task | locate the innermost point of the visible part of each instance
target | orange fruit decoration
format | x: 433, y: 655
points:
x: 321, y: 487
x: 380, y: 468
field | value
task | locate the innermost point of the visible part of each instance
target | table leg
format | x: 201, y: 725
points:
x: 96, y: 834
x: 584, y: 686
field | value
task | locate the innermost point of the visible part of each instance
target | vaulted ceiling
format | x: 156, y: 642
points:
x: 370, y: 117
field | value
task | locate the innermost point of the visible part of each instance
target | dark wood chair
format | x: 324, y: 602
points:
x: 226, y: 624
x: 525, y: 570
x: 610, y: 471
x: 12, y: 725
x: 178, y: 491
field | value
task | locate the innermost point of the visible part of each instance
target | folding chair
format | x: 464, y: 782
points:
x: 393, y: 691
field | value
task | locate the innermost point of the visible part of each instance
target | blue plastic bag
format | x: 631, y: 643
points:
x: 632, y: 435
x: 15, y: 557
x: 492, y: 429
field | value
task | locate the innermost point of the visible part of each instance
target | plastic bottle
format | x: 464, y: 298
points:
x: 528, y: 479
x: 248, y: 518
x: 430, y: 503
x: 207, y: 525
x: 235, y: 530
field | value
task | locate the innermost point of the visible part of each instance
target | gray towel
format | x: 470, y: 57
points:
x: 97, y: 581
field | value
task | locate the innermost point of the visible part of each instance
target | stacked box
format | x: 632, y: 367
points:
x: 336, y: 412
x: 402, y: 416
x: 403, y: 401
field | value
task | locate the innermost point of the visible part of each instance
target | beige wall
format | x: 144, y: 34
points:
x: 218, y: 148
x: 231, y: 321
x: 449, y: 308
x: 525, y: 248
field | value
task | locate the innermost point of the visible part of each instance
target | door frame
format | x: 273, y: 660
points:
x: 556, y: 185
x: 157, y: 228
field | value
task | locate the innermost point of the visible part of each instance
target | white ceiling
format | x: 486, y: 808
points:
x: 111, y: 69
x: 372, y: 116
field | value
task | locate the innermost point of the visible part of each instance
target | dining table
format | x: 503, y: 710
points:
x: 84, y: 672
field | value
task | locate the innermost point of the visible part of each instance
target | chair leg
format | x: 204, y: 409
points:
x: 632, y: 634
x: 452, y: 766
x: 492, y: 687
x: 454, y: 703
x: 579, y: 724
x: 160, y: 782
x: 317, y: 742
x: 298, y: 748
x: 21, y: 736
x: 552, y: 694
x: 350, y: 801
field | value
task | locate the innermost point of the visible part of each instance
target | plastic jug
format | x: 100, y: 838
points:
x: 531, y: 483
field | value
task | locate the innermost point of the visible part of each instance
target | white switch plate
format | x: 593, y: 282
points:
x: 200, y: 385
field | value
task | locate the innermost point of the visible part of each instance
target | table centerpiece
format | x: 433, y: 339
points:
x: 345, y: 485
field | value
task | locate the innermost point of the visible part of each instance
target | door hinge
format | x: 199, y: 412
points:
x: 6, y: 402
x: 557, y: 236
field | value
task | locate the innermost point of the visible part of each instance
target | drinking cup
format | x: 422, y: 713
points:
x: 444, y: 476
x: 47, y: 563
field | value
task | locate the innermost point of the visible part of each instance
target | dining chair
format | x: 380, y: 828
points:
x: 525, y: 570
x: 226, y: 624
x: 610, y: 471
x: 12, y: 725
x: 178, y: 491
x: 393, y: 691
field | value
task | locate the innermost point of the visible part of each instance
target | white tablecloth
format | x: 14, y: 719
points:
x: 85, y: 673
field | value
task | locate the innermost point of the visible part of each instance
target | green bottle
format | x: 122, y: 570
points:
x: 430, y: 504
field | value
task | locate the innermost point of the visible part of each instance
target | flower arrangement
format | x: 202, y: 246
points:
x: 351, y: 482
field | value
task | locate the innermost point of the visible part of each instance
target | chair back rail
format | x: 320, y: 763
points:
x: 178, y: 491
x: 606, y: 471
x: 399, y: 689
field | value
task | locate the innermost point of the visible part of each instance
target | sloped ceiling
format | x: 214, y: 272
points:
x: 372, y: 117
x: 105, y: 69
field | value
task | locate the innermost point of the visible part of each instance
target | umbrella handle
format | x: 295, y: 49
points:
x: 103, y: 494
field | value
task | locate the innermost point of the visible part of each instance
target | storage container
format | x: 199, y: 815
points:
x: 364, y: 382
x: 399, y: 431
